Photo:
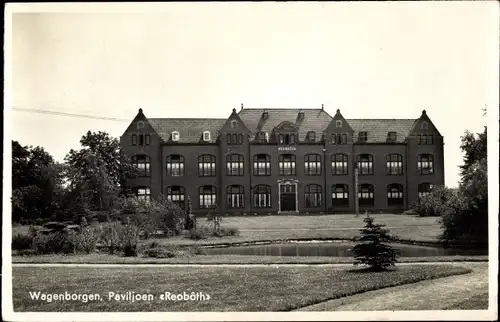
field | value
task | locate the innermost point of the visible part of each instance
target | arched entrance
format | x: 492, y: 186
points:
x: 288, y: 200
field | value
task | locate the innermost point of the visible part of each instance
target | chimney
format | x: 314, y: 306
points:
x: 263, y: 118
x: 241, y: 107
x: 322, y: 107
x: 300, y: 118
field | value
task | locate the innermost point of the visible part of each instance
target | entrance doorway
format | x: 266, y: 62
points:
x: 288, y: 196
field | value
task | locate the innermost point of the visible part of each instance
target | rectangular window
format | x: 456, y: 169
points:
x: 287, y: 165
x: 134, y: 139
x: 148, y: 139
x: 312, y: 165
x: 365, y: 164
x: 340, y: 195
x: 339, y: 164
x: 425, y: 164
x: 144, y: 193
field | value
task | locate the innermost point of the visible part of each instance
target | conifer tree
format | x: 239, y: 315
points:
x: 371, y: 249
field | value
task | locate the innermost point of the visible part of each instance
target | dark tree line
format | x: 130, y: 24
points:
x: 91, y: 179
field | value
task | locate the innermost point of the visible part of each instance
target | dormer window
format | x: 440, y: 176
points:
x: 392, y: 136
x: 265, y: 115
x: 311, y: 136
x: 338, y: 124
x: 363, y: 136
x: 301, y: 115
x: 287, y: 139
x: 206, y: 136
x: 140, y: 125
x: 175, y: 136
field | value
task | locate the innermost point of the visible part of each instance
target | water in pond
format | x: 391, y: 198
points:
x: 335, y: 250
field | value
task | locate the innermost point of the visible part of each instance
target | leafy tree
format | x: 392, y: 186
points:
x: 371, y: 250
x: 474, y: 149
x: 97, y: 173
x: 37, y: 182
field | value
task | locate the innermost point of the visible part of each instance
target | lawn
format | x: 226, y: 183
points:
x: 477, y: 302
x: 266, y: 228
x: 97, y: 258
x: 267, y: 288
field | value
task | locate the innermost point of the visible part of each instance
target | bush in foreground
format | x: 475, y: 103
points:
x: 54, y: 243
x: 371, y: 250
x: 22, y: 241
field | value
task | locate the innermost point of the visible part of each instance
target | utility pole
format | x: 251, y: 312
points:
x: 356, y: 199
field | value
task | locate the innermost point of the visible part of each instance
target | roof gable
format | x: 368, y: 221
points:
x: 344, y: 124
x: 190, y: 130
x: 314, y: 120
x: 234, y: 123
x: 140, y: 123
x: 416, y: 128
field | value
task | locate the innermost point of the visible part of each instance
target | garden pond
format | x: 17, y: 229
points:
x: 335, y: 249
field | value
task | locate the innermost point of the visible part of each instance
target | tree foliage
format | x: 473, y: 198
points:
x: 372, y: 249
x: 97, y: 173
x: 37, y: 183
x: 466, y: 219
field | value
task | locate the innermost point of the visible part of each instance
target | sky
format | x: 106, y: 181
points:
x: 370, y: 60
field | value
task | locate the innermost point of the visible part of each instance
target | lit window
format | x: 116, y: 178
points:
x: 339, y: 164
x: 206, y: 166
x: 425, y: 164
x: 207, y: 197
x: 395, y: 195
x: 424, y: 189
x: 340, y: 195
x: 175, y: 165
x: 235, y: 165
x: 262, y: 196
x: 206, y: 136
x: 312, y: 165
x: 365, y: 195
x: 235, y: 197
x: 287, y: 165
x: 261, y: 165
x: 394, y: 164
x: 365, y: 164
x: 143, y: 164
x: 176, y: 195
x: 143, y: 193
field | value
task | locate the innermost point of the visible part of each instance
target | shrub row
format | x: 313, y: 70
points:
x: 202, y: 232
x: 114, y: 237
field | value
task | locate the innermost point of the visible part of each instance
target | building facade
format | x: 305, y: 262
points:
x: 285, y: 161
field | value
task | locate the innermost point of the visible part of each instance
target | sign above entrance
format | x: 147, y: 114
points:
x: 287, y: 148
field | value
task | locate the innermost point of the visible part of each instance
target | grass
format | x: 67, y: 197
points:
x: 323, y: 221
x: 269, y: 288
x: 274, y: 227
x: 477, y: 302
x: 222, y: 259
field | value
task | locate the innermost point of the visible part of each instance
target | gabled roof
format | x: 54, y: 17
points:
x: 190, y: 130
x: 315, y: 120
x: 379, y: 128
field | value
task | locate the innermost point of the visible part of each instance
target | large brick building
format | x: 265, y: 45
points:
x: 285, y: 161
